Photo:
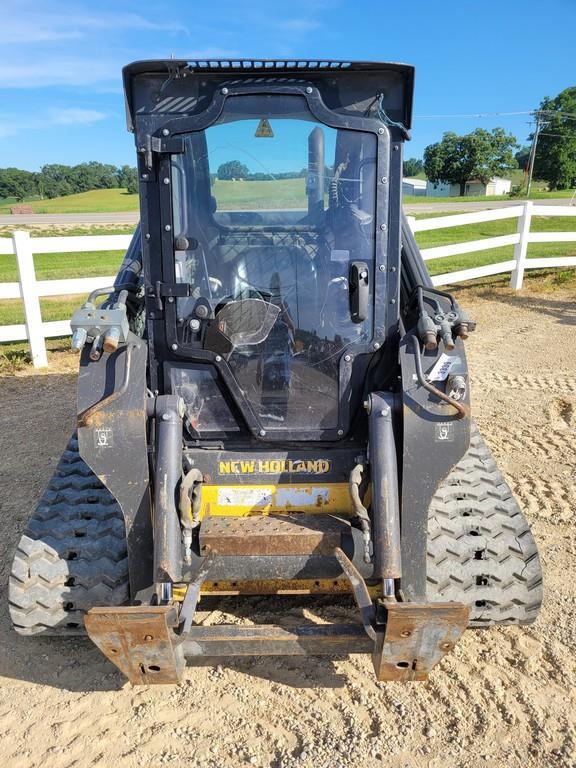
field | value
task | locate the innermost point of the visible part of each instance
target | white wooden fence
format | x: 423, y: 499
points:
x: 29, y: 289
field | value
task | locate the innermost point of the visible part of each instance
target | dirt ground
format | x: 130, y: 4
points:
x: 505, y: 697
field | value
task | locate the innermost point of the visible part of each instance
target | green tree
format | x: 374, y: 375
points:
x: 478, y: 155
x: 412, y: 167
x: 56, y: 180
x: 233, y: 169
x: 555, y: 160
x: 17, y: 183
x: 128, y: 178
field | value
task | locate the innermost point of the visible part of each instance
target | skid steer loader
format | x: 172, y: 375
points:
x: 273, y: 399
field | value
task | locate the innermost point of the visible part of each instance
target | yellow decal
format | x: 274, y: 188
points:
x: 274, y: 467
x: 264, y: 130
x: 240, y: 500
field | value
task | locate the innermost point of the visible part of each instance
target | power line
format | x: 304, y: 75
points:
x: 474, y: 115
x: 534, y: 112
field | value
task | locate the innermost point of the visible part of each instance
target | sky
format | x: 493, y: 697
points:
x: 61, y: 95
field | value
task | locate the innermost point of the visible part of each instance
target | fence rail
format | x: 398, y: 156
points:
x: 520, y: 240
x: 30, y: 290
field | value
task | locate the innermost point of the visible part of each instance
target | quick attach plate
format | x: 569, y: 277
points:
x: 139, y: 641
x: 416, y: 638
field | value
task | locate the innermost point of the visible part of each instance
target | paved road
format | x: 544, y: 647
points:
x: 476, y: 206
x: 131, y: 217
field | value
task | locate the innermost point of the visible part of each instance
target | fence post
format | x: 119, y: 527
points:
x: 520, y: 249
x: 29, y: 293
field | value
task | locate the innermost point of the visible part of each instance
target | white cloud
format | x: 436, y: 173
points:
x: 22, y: 23
x: 74, y: 116
x: 51, y: 70
x: 12, y: 125
x: 300, y: 26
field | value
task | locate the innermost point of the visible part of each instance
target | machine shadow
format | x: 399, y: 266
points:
x: 74, y: 664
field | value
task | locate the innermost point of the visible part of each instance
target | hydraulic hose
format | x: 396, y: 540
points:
x: 189, y: 507
x: 355, y: 481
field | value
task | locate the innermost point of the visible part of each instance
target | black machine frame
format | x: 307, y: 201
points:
x: 166, y: 138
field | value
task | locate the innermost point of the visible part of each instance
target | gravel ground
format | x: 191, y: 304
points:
x: 504, y: 697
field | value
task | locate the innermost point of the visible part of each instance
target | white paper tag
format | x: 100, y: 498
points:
x: 442, y: 368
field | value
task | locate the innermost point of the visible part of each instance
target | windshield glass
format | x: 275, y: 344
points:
x: 271, y: 210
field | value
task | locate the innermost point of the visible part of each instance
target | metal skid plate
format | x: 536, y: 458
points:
x: 416, y: 638
x: 287, y: 534
x: 139, y: 641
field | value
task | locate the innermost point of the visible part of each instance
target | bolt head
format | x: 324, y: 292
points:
x: 383, y: 227
x: 218, y: 358
x: 224, y: 91
x: 166, y: 181
x: 170, y: 299
x: 376, y: 345
x: 165, y: 417
x: 340, y: 432
x: 382, y: 268
x: 147, y: 236
x: 167, y: 227
x: 174, y: 347
x: 148, y: 638
x: 308, y: 90
x: 194, y: 324
x: 380, y: 131
x: 347, y: 358
x: 405, y: 633
x: 384, y: 179
x: 145, y: 177
x: 262, y: 432
x: 392, y: 301
x: 165, y: 132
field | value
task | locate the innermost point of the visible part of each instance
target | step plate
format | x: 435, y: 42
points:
x: 291, y: 534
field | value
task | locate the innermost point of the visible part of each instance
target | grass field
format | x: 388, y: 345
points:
x: 95, y: 201
x: 284, y: 193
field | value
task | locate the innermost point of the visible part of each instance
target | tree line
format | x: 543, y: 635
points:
x: 234, y: 169
x: 56, y: 180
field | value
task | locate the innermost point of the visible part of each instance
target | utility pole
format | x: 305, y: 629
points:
x: 533, y: 154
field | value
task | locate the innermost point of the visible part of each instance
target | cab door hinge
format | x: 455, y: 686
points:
x: 172, y: 145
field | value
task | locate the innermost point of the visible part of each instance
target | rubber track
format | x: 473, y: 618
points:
x: 72, y: 555
x: 480, y: 548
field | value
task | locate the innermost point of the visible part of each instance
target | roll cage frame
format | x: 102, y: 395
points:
x: 162, y: 136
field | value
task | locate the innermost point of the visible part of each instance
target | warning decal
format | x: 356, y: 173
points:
x: 264, y: 130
